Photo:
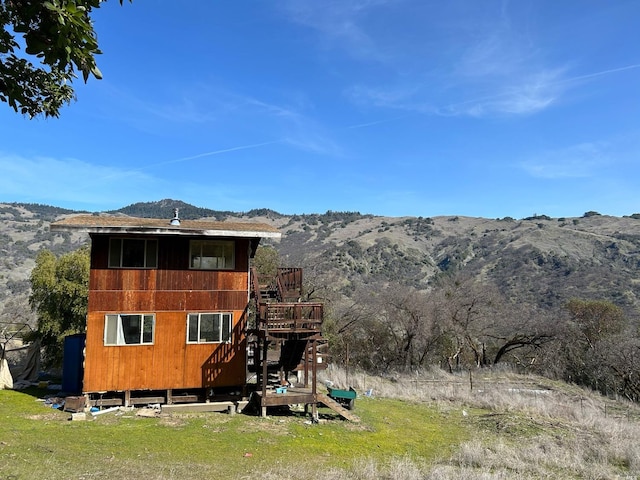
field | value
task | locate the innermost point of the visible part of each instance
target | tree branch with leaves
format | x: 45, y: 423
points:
x: 58, y: 35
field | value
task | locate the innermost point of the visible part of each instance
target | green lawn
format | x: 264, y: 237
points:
x: 40, y: 442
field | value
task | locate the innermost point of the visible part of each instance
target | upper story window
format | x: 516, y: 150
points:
x: 129, y: 329
x: 212, y: 254
x: 133, y: 253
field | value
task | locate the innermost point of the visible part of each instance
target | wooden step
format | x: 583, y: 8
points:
x: 336, y: 407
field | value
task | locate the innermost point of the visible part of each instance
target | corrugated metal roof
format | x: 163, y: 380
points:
x: 157, y: 226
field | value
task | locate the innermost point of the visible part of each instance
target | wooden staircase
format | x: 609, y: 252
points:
x: 336, y: 407
x: 288, y: 325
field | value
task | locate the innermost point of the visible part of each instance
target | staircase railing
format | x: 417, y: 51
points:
x: 255, y: 284
x: 289, y: 283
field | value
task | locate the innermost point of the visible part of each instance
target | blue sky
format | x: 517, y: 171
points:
x: 389, y: 107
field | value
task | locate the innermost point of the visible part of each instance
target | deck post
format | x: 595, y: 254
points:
x: 306, y: 365
x: 265, y: 374
x: 257, y: 358
x: 314, y: 384
x: 314, y: 368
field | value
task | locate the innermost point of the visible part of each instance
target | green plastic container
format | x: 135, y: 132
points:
x: 346, y: 398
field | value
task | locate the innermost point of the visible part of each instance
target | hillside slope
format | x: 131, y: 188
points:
x: 538, y: 260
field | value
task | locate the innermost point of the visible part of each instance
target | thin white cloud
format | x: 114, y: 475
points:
x: 577, y: 161
x: 402, y: 97
x: 81, y: 185
x: 284, y: 121
x: 465, y: 62
x: 191, y: 104
x: 63, y: 181
x: 314, y: 143
x: 525, y: 96
x: 506, y: 68
x: 534, y: 94
x: 531, y: 96
x: 339, y: 23
x: 141, y: 110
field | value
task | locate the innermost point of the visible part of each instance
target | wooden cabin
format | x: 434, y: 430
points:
x: 167, y: 309
x: 168, y: 317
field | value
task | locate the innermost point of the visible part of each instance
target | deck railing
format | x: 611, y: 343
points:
x: 290, y: 316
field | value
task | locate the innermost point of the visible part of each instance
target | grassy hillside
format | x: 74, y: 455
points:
x: 430, y: 425
x: 539, y: 260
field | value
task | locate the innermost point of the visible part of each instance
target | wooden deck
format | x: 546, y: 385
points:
x: 305, y: 396
x: 292, y: 396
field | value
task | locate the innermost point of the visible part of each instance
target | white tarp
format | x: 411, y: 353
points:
x: 25, y: 372
x: 6, y: 380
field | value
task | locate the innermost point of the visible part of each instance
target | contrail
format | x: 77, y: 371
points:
x: 192, y: 157
x: 375, y: 122
x: 599, y: 74
x: 211, y: 154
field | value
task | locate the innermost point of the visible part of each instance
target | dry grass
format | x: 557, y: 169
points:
x: 425, y: 426
x: 528, y: 427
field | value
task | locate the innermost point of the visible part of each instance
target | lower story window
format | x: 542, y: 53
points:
x: 209, y: 327
x: 129, y: 329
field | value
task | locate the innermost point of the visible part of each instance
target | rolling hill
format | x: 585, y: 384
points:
x: 539, y: 260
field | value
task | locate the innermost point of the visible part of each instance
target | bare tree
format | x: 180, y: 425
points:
x: 408, y: 314
x: 624, y: 362
x: 386, y: 327
x: 467, y: 310
x: 597, y: 347
x: 521, y: 334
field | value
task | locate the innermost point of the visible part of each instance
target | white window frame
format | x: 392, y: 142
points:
x: 115, y: 329
x: 150, y: 260
x: 220, y: 320
x: 199, y: 260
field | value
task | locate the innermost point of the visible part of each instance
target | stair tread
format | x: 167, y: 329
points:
x: 336, y: 407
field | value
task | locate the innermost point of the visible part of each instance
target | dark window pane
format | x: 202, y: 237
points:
x: 196, y: 252
x: 226, y: 327
x: 115, y: 250
x: 216, y: 328
x: 152, y: 254
x: 212, y: 254
x: 131, y: 328
x: 207, y: 328
x: 192, y: 328
x: 147, y: 330
x: 133, y: 253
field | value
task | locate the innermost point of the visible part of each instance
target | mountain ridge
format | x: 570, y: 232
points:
x: 539, y: 260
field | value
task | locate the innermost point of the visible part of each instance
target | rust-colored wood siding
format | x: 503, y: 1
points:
x: 170, y: 292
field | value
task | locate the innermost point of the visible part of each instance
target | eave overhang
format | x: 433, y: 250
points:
x: 116, y: 225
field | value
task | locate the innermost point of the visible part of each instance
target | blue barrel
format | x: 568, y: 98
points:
x: 73, y: 363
